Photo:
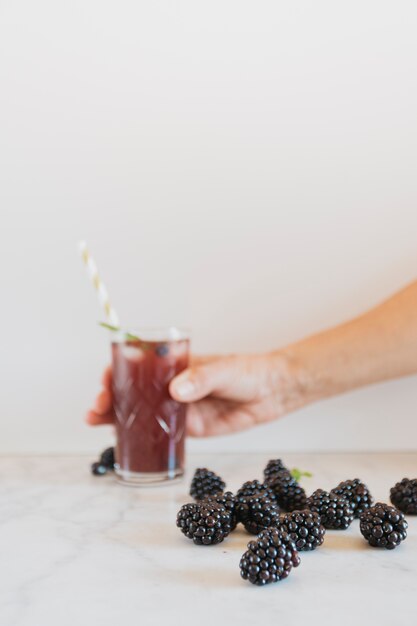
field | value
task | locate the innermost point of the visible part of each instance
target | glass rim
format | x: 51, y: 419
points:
x: 151, y: 333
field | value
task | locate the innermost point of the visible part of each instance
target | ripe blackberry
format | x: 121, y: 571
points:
x: 404, y: 496
x: 252, y: 487
x: 269, y: 558
x: 98, y: 469
x: 356, y: 493
x: 273, y: 467
x: 288, y: 493
x: 205, y: 483
x: 162, y: 349
x: 228, y: 500
x: 304, y: 528
x: 257, y: 512
x: 334, y: 510
x: 107, y: 458
x: 206, y: 522
x: 383, y: 526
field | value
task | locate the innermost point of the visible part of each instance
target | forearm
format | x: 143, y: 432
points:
x: 379, y: 345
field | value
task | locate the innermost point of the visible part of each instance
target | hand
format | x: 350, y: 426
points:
x: 224, y: 394
x: 102, y: 412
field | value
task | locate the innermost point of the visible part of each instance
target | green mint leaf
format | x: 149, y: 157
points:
x: 297, y: 473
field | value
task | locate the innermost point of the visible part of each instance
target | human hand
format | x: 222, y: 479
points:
x: 225, y: 394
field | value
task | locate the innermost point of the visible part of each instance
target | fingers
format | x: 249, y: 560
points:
x: 103, y: 403
x: 106, y: 379
x: 95, y: 419
x: 217, y: 376
x: 102, y: 411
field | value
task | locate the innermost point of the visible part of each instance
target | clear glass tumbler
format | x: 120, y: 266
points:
x: 150, y: 425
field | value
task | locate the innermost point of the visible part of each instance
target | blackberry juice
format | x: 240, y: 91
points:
x: 150, y: 425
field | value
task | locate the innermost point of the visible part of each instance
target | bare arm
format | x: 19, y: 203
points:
x: 226, y: 394
x: 376, y: 346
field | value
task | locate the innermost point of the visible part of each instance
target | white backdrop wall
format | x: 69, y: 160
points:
x: 244, y: 168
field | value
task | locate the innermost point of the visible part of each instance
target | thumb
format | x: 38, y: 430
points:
x: 202, y: 380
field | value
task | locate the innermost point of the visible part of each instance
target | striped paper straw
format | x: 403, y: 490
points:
x: 98, y: 284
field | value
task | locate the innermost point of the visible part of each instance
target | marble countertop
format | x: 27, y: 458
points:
x: 78, y: 550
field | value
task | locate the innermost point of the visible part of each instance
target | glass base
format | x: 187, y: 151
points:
x: 147, y: 479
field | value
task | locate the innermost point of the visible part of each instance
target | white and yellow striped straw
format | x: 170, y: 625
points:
x: 98, y: 284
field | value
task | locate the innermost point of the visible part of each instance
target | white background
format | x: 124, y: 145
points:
x: 245, y: 168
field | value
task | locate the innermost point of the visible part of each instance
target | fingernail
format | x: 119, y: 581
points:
x: 184, y: 388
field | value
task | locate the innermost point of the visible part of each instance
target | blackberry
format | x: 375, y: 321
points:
x: 404, y: 496
x: 257, y: 512
x: 107, y: 458
x: 162, y: 349
x: 228, y: 500
x: 206, y: 523
x: 383, y: 526
x: 269, y: 558
x: 273, y: 467
x: 356, y: 493
x: 334, y: 510
x: 304, y: 528
x: 252, y: 487
x: 205, y: 483
x: 98, y: 469
x: 288, y: 492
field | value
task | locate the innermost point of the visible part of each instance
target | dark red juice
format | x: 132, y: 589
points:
x: 150, y: 424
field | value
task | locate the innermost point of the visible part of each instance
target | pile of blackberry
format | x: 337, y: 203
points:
x: 205, y: 483
x: 334, y: 511
x: 270, y: 558
x: 104, y: 464
x: 286, y: 520
x: 404, y: 496
x: 383, y: 526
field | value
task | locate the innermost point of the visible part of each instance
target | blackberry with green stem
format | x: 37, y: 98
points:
x: 383, y: 526
x: 206, y: 523
x: 206, y: 483
x: 270, y: 558
x: 334, y: 510
x: 304, y: 528
x: 356, y: 493
x: 404, y: 496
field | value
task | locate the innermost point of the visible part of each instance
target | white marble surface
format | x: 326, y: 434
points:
x: 76, y: 550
